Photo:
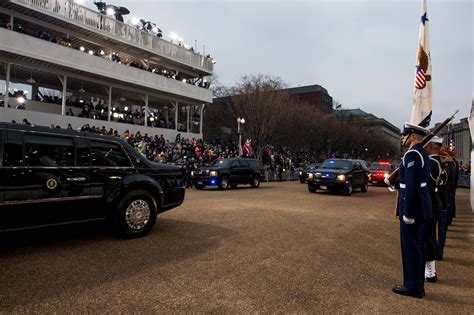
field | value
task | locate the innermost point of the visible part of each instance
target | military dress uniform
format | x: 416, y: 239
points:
x: 447, y: 180
x: 414, y: 210
x: 454, y: 170
x: 434, y: 182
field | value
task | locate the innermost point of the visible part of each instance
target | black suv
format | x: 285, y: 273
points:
x: 339, y: 175
x: 55, y: 176
x: 303, y: 174
x: 226, y: 173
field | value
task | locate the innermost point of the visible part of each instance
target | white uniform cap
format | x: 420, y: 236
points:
x: 437, y: 139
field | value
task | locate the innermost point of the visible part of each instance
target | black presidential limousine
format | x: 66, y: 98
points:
x: 56, y: 176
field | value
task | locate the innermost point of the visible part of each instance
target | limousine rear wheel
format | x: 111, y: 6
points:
x: 135, y: 215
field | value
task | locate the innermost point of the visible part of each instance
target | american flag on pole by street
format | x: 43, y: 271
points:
x: 248, y: 147
x: 452, y: 141
x: 422, y: 94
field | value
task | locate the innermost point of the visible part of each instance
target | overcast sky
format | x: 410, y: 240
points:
x: 363, y: 52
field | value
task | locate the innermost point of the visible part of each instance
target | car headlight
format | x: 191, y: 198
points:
x: 310, y: 175
x: 213, y: 173
x: 317, y: 175
x: 301, y: 173
x: 341, y: 177
x: 192, y: 173
x: 386, y: 175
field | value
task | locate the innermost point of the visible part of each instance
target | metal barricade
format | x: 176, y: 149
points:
x: 272, y: 176
x: 464, y: 180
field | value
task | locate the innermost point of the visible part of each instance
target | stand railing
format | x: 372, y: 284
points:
x: 123, y: 31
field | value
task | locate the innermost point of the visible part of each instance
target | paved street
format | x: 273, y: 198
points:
x: 274, y: 249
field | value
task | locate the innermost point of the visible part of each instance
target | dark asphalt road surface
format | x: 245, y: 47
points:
x: 278, y: 248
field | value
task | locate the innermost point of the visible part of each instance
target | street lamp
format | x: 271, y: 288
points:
x: 239, y: 130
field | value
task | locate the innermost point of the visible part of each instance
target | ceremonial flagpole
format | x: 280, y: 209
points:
x: 471, y: 127
x: 422, y: 93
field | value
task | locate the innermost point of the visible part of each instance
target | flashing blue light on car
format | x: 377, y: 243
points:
x: 213, y: 181
x: 331, y: 162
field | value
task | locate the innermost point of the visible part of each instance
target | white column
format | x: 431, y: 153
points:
x: 146, y: 110
x: 109, y: 104
x: 188, y: 110
x: 201, y: 118
x: 7, y: 85
x: 63, y: 103
x: 176, y: 106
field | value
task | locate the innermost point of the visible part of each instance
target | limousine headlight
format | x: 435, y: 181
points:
x: 317, y: 175
x: 310, y: 175
x: 213, y: 173
x: 341, y: 177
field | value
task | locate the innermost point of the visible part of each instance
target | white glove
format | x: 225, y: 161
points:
x: 408, y: 220
x: 386, y: 181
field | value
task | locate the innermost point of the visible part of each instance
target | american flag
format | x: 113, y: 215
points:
x: 452, y: 142
x: 420, y: 81
x: 248, y: 147
x: 422, y: 89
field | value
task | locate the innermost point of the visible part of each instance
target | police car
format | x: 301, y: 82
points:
x: 342, y: 175
x: 379, y: 171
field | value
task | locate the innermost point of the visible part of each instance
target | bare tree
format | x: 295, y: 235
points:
x: 262, y: 101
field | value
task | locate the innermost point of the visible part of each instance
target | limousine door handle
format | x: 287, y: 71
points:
x: 76, y: 179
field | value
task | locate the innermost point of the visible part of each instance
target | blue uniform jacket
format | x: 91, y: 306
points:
x: 414, y: 199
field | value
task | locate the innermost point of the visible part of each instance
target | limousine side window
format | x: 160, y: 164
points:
x: 48, y: 151
x: 108, y: 154
x: 82, y: 153
x: 13, y: 155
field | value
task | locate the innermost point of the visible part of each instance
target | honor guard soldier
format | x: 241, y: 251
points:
x: 445, y: 188
x: 434, y: 182
x: 414, y: 210
x: 454, y: 169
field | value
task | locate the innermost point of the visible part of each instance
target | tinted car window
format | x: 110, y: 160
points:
x: 108, y: 154
x: 13, y: 150
x: 223, y: 163
x: 255, y: 163
x: 336, y: 164
x: 244, y: 163
x: 82, y: 153
x: 48, y: 151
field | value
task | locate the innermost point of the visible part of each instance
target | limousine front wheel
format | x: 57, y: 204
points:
x: 135, y: 215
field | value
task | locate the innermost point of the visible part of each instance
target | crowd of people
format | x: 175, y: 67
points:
x: 195, y: 152
x: 110, y: 55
